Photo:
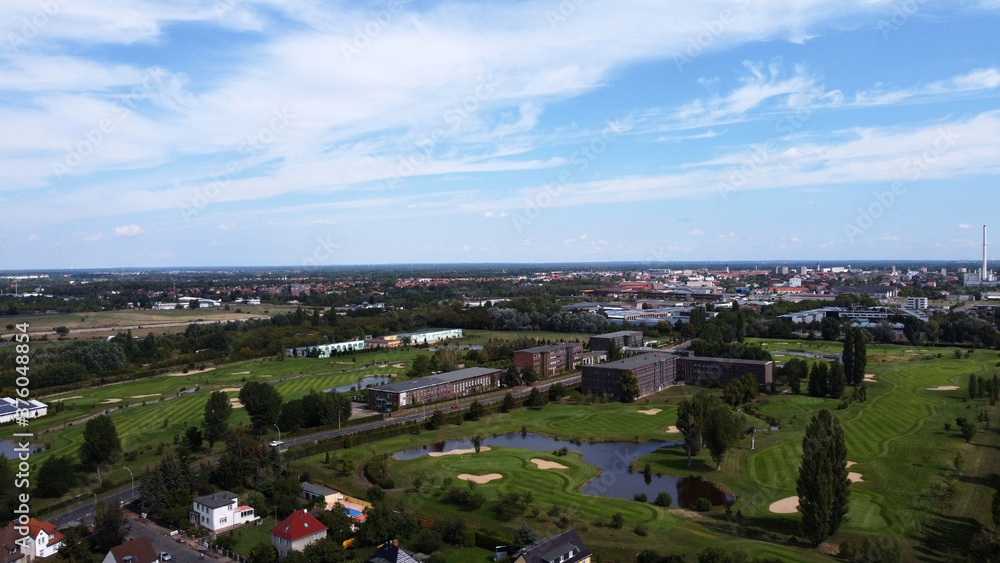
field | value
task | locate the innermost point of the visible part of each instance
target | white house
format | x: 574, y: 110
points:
x: 32, y: 408
x: 220, y: 511
x: 43, y: 540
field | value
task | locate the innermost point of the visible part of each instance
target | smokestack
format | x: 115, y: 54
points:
x: 984, y: 273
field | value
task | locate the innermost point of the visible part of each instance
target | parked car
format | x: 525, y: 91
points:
x: 164, y: 556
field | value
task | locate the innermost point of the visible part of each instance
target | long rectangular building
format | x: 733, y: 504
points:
x: 549, y: 359
x: 440, y: 387
x: 654, y: 372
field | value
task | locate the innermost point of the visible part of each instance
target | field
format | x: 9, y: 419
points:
x: 103, y: 323
x: 897, y: 439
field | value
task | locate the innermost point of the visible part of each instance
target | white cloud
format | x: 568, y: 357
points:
x: 128, y: 231
x: 973, y: 81
x: 696, y: 233
x: 94, y: 237
x: 963, y: 226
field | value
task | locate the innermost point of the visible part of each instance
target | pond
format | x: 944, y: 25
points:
x: 365, y: 383
x: 615, y: 480
x: 7, y: 448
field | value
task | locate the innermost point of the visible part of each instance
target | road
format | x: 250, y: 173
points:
x: 85, y: 512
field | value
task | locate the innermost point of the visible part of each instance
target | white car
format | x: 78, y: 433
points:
x: 276, y: 443
x: 164, y: 556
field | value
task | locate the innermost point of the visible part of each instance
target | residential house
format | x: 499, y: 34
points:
x: 390, y: 552
x: 43, y: 539
x: 10, y: 550
x: 296, y: 532
x: 138, y: 550
x: 566, y: 547
x: 220, y: 511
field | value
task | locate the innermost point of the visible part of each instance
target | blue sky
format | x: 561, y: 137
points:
x: 271, y: 132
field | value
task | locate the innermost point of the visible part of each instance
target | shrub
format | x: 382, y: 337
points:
x: 640, y: 497
x: 703, y: 504
x: 641, y: 530
x: 664, y: 499
x: 617, y: 521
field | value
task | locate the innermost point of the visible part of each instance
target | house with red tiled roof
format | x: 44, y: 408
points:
x: 43, y: 540
x: 296, y: 532
x: 10, y: 550
x: 138, y: 550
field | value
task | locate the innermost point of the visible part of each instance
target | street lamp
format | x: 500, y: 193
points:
x: 279, y: 436
x: 131, y: 491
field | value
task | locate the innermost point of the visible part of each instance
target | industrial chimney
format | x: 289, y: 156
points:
x: 984, y: 274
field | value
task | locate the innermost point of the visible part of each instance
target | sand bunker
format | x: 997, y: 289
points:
x: 943, y: 388
x: 230, y: 389
x: 651, y: 412
x: 109, y: 401
x: 241, y: 373
x: 144, y: 396
x: 788, y: 505
x: 399, y: 366
x: 854, y: 477
x: 673, y: 430
x: 236, y: 403
x: 480, y: 479
x: 66, y: 398
x: 459, y: 452
x: 190, y: 372
x: 851, y: 463
x: 546, y: 464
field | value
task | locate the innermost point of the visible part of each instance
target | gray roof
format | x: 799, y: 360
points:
x: 616, y: 334
x: 634, y: 362
x: 319, y: 490
x: 217, y: 500
x: 551, y: 347
x: 449, y: 377
x: 550, y: 549
x: 728, y: 360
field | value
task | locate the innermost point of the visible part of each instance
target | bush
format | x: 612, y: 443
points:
x: 377, y: 472
x: 617, y: 521
x: 664, y: 499
x: 428, y: 541
x: 703, y: 504
x: 640, y: 530
x: 640, y: 497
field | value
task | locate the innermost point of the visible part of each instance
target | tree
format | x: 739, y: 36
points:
x: 969, y: 430
x: 508, y: 403
x: 263, y: 552
x: 338, y: 521
x: 262, y: 404
x: 523, y: 537
x: 111, y: 526
x: 421, y: 366
x: 860, y: 355
x: 101, y: 444
x: 823, y: 486
x: 628, y: 387
x: 617, y: 521
x: 847, y: 358
x: 153, y: 493
x: 55, y: 478
x: 691, y: 415
x: 838, y: 381
x: 216, y: 422
x: 75, y: 546
x: 193, y: 437
x: 819, y: 380
x: 428, y: 541
x: 995, y: 510
x: 476, y: 410
x: 529, y: 375
x: 723, y: 430
x: 436, y: 420
x: 536, y: 398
